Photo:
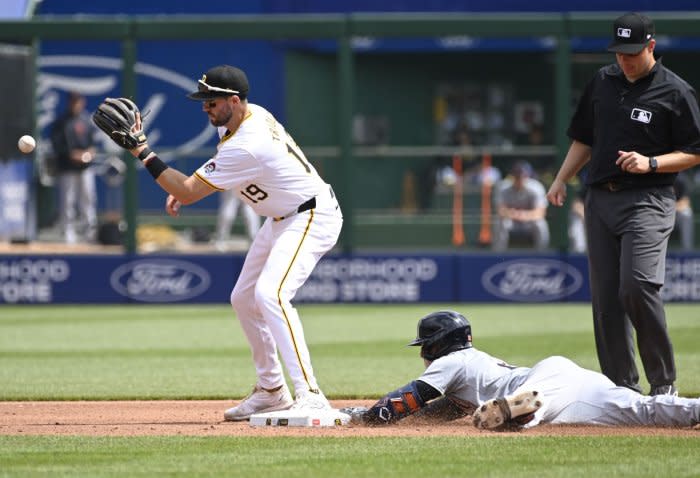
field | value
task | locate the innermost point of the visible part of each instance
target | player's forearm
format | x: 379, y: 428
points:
x: 183, y: 188
x: 676, y: 161
x: 577, y: 156
x: 175, y: 183
x: 400, y: 403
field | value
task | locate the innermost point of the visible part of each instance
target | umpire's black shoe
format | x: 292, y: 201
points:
x: 663, y: 390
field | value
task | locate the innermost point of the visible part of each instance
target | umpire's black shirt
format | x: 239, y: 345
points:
x: 655, y: 115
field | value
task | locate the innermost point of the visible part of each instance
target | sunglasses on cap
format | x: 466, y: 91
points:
x: 204, y: 87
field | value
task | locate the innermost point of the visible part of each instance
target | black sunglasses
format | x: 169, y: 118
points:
x: 209, y: 104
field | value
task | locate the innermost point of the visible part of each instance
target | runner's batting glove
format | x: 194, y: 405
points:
x: 356, y: 414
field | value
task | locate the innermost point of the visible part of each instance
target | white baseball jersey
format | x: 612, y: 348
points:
x: 571, y: 394
x: 267, y: 170
x: 264, y: 166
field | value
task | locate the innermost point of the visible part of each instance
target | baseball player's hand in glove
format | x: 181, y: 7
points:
x: 508, y: 413
x: 120, y: 118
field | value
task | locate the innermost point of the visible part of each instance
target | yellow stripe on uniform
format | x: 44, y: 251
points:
x: 279, y: 297
x: 196, y: 175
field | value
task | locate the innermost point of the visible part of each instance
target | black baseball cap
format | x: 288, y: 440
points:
x: 221, y: 81
x: 631, y: 33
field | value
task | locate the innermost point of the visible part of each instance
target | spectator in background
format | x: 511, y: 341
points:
x: 684, y: 213
x: 521, y: 205
x: 72, y: 139
x: 229, y: 206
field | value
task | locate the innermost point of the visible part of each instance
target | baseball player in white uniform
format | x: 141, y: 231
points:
x: 555, y: 390
x: 260, y: 161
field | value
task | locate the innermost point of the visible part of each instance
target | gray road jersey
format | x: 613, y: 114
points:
x: 571, y: 394
x: 473, y: 375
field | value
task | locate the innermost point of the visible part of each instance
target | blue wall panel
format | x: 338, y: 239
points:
x: 411, y: 278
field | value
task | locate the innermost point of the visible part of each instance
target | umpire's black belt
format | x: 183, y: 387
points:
x: 615, y: 186
x: 310, y: 204
x: 612, y: 186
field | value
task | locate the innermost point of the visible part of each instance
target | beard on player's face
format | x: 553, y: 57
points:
x: 222, y: 115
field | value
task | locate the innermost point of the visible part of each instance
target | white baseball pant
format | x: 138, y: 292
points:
x: 279, y: 261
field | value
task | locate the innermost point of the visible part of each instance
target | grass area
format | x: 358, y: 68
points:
x: 158, y: 352
x: 179, y: 352
x: 490, y: 456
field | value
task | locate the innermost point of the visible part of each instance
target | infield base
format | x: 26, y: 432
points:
x: 300, y: 418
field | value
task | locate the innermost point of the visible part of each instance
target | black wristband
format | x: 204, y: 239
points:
x: 144, y: 154
x: 156, y: 167
x: 653, y: 164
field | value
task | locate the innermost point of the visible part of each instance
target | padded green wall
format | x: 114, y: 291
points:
x: 401, y: 86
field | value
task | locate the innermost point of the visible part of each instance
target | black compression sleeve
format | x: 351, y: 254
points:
x: 426, y: 392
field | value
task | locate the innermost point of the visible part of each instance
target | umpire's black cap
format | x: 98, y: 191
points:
x: 221, y: 81
x: 631, y: 33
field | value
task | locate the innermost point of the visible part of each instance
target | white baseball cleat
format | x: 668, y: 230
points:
x: 504, y: 411
x: 260, y: 401
x: 311, y: 399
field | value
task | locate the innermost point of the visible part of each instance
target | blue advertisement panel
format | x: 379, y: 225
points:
x: 382, y: 279
x: 405, y: 278
x: 526, y: 278
x: 682, y: 282
x: 117, y: 279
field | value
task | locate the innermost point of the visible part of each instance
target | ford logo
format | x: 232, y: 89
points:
x: 160, y: 280
x: 532, y: 280
x: 98, y: 76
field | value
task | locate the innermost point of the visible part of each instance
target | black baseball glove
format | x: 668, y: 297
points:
x: 117, y: 118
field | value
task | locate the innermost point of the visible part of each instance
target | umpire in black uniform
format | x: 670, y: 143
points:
x: 637, y: 125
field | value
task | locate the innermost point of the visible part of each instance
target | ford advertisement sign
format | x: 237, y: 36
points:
x: 90, y: 279
x: 523, y: 278
x: 532, y: 280
x: 160, y: 280
x: 361, y: 278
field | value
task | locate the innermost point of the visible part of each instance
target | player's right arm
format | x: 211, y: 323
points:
x: 400, y: 403
x: 577, y: 156
x: 186, y: 190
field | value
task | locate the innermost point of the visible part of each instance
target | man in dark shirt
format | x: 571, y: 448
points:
x: 636, y: 126
x: 73, y: 147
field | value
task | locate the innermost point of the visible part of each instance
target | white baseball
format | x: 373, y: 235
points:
x: 26, y: 144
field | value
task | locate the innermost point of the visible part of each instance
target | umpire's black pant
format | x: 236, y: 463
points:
x: 627, y: 233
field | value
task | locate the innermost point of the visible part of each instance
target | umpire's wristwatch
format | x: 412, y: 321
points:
x: 653, y: 164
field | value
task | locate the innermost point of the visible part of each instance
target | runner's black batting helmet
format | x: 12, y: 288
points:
x: 442, y: 332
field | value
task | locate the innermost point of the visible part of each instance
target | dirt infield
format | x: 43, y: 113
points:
x: 205, y: 418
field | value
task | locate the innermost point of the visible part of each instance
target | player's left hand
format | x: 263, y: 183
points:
x: 120, y: 119
x: 172, y: 206
x: 632, y: 162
